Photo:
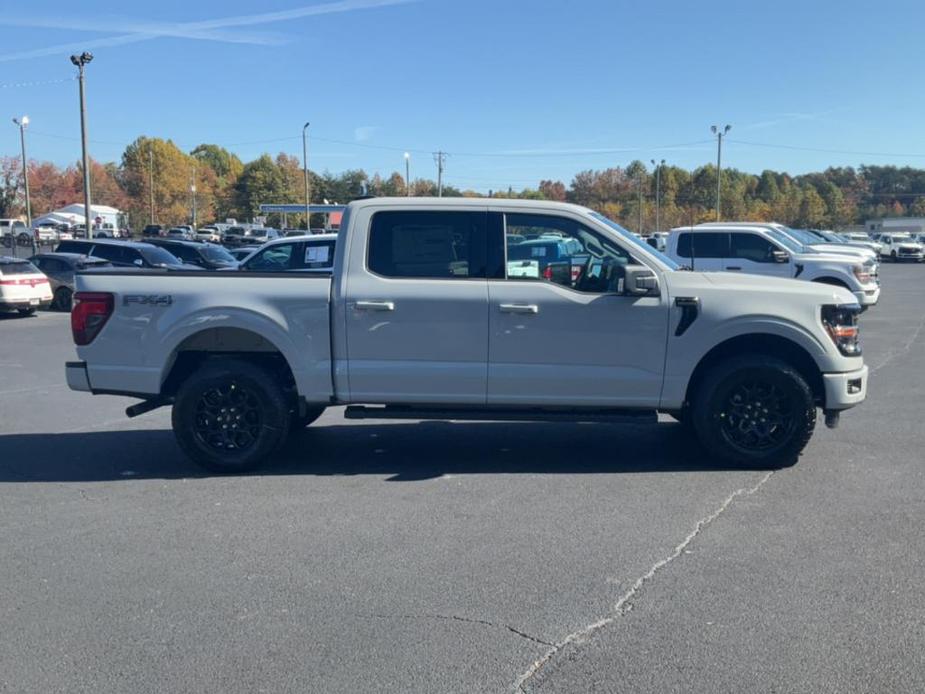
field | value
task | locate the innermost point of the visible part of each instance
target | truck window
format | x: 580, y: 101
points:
x: 705, y: 245
x: 277, y: 258
x: 752, y: 247
x: 428, y: 245
x: 563, y: 251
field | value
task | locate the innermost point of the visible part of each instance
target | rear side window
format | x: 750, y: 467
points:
x: 428, y: 245
x: 752, y: 247
x: 703, y: 245
x: 316, y: 256
x: 23, y: 268
x: 74, y: 247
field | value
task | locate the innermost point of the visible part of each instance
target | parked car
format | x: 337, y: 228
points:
x: 14, y: 229
x: 896, y: 246
x: 420, y: 320
x: 234, y: 236
x: 181, y: 233
x: 763, y: 250
x: 126, y: 253
x: 23, y: 287
x: 46, y: 232
x: 207, y: 256
x: 105, y: 231
x: 152, y: 230
x: 210, y: 234
x: 297, y: 254
x: 60, y: 269
x: 825, y: 243
x: 289, y: 233
x: 260, y: 235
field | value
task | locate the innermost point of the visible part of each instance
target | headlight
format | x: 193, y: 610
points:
x: 863, y: 273
x: 841, y: 323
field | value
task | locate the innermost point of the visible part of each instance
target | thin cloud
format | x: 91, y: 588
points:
x: 365, y: 132
x: 784, y: 118
x: 138, y: 31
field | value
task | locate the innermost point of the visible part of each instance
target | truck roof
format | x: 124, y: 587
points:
x: 532, y: 205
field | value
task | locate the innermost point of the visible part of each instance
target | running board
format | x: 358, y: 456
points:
x: 487, y: 414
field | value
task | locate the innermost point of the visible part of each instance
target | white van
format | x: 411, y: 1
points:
x: 761, y: 250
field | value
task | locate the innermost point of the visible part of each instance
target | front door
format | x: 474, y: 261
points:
x: 568, y: 338
x: 417, y: 313
x: 753, y: 254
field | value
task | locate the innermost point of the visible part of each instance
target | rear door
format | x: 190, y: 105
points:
x: 417, y: 309
x: 754, y: 254
x: 703, y: 251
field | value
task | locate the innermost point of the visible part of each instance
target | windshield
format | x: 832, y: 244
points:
x: 158, y: 256
x: 216, y: 253
x: 788, y: 242
x: 629, y: 236
x: 18, y: 267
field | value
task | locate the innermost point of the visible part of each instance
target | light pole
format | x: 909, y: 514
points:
x: 719, y: 162
x: 80, y: 61
x: 151, y: 179
x: 308, y: 226
x: 640, y: 202
x: 658, y: 184
x: 22, y: 123
x: 408, y: 174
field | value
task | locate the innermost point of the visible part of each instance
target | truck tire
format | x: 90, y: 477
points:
x: 230, y: 415
x: 754, y: 411
x: 298, y: 422
x: 64, y: 299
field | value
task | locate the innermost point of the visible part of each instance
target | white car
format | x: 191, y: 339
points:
x: 210, y: 234
x: 896, y: 246
x: 45, y: 232
x: 765, y: 250
x: 23, y: 287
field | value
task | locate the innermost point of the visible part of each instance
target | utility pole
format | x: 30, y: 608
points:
x: 22, y: 123
x: 640, y: 204
x: 440, y: 158
x: 80, y: 61
x: 658, y: 185
x: 308, y: 226
x: 719, y: 162
x: 151, y: 179
x: 408, y: 174
x: 192, y: 189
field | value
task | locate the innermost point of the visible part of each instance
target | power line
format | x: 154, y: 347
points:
x: 826, y: 151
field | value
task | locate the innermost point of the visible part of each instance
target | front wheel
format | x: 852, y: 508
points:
x: 754, y: 411
x: 893, y: 257
x: 26, y: 311
x: 230, y: 416
x: 64, y: 299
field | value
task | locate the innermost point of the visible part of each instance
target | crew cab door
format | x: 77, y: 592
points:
x: 568, y: 339
x: 417, y: 308
x: 754, y: 254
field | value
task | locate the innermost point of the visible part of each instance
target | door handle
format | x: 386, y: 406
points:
x: 519, y: 308
x: 733, y: 267
x: 375, y: 306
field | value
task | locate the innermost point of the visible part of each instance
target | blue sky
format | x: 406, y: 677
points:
x: 514, y: 90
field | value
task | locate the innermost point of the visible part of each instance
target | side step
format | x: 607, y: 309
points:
x: 503, y: 414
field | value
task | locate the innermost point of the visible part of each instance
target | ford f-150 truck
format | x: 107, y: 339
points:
x: 424, y: 316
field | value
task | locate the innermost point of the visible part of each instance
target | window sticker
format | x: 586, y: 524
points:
x: 317, y: 254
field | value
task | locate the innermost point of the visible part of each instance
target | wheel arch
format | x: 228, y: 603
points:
x: 761, y: 344
x: 834, y: 281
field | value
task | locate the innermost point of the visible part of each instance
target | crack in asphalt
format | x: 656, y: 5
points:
x: 623, y: 605
x: 468, y: 620
x: 902, y: 350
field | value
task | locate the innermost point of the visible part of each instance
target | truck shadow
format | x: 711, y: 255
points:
x: 400, y: 452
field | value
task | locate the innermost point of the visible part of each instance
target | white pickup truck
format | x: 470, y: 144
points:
x: 420, y: 318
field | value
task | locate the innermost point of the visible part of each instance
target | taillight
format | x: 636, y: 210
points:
x: 547, y: 273
x: 89, y: 314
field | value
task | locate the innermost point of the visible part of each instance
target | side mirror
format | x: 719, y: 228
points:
x: 138, y: 262
x: 639, y: 280
x: 780, y: 256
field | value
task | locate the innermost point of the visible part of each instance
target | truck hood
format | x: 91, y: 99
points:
x: 736, y: 285
x: 840, y: 249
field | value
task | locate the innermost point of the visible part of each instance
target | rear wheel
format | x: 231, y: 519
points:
x: 755, y: 411
x: 64, y: 299
x: 893, y: 256
x: 26, y: 311
x: 230, y: 415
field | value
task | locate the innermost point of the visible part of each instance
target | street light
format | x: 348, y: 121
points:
x: 658, y: 184
x: 80, y: 61
x: 22, y: 123
x: 408, y: 174
x: 308, y: 226
x: 719, y: 161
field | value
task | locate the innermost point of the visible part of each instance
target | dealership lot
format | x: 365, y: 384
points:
x: 432, y: 556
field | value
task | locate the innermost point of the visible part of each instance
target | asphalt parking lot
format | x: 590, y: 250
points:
x: 461, y: 557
